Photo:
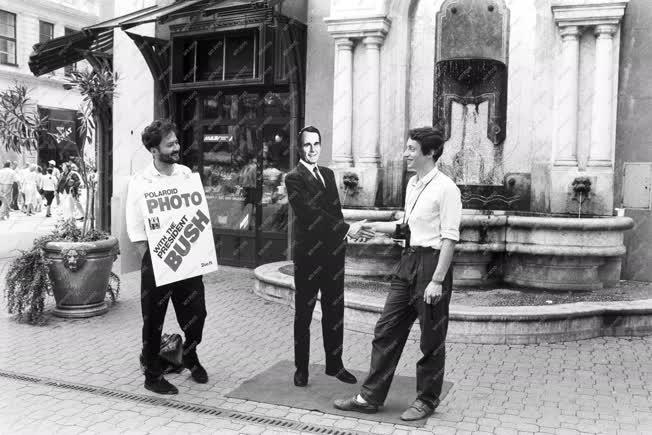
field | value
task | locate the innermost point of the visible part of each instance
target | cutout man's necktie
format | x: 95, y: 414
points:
x: 318, y: 175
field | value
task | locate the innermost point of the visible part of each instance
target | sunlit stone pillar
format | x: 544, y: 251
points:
x: 367, y: 152
x: 600, y: 153
x: 567, y: 111
x: 343, y: 103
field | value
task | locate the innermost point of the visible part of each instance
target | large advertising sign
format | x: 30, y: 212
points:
x: 179, y: 230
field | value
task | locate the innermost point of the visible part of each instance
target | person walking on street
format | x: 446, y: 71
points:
x: 421, y: 283
x: 49, y: 183
x: 16, y: 187
x: 64, y: 192
x: 29, y: 187
x: 56, y: 173
x: 76, y: 192
x: 7, y: 180
x: 319, y: 257
x: 68, y: 189
x: 187, y: 295
x: 21, y: 174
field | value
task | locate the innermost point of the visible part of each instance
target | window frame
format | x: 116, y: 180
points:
x: 40, y: 34
x: 14, y: 39
x: 68, y: 69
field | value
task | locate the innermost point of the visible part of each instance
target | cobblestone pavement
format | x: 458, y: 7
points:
x: 600, y: 385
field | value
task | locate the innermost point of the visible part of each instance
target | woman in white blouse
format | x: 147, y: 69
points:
x: 49, y: 183
x: 30, y: 189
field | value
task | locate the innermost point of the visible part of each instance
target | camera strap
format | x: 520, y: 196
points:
x: 406, y: 216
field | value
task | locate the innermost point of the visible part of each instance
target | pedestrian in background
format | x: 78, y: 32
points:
x: 7, y: 180
x: 16, y: 187
x: 76, y: 190
x: 69, y: 190
x: 30, y: 187
x: 49, y: 186
x: 56, y: 173
x: 21, y: 174
x: 64, y: 192
x: 39, y: 188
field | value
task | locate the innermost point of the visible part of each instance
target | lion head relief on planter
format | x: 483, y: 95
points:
x: 74, y: 258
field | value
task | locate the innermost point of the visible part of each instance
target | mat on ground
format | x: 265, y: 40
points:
x: 275, y: 386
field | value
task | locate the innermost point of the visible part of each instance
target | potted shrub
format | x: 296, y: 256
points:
x: 74, y: 267
x: 73, y: 262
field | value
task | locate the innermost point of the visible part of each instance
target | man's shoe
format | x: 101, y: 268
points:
x: 160, y: 386
x: 353, y: 405
x: 197, y: 372
x: 418, y: 410
x: 300, y: 378
x: 343, y: 375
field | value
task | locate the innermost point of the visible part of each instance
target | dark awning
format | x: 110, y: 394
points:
x: 97, y: 40
x: 66, y: 50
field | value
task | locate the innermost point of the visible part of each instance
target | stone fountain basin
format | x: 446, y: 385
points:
x: 556, y: 253
x: 479, y: 324
x: 539, y: 251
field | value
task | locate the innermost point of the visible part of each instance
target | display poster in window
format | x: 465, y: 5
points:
x: 179, y: 230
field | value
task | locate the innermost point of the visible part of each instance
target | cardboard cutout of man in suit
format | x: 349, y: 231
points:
x: 320, y: 246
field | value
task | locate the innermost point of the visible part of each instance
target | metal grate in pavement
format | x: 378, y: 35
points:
x: 181, y: 406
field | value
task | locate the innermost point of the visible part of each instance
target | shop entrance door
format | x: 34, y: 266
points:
x: 241, y: 149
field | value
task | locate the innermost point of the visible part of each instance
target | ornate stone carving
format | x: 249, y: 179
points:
x: 74, y: 258
x: 472, y: 29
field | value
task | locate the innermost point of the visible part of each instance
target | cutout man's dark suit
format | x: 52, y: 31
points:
x: 320, y: 246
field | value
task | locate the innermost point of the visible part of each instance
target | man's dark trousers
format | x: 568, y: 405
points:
x: 189, y: 306
x: 323, y: 272
x: 403, y: 306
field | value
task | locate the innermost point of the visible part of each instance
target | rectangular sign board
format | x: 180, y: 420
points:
x: 179, y: 230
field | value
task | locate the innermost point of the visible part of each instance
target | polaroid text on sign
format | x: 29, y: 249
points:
x: 169, y: 200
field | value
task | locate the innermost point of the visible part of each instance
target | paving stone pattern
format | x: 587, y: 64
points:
x: 592, y: 386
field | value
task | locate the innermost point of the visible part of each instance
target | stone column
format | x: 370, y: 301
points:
x: 343, y: 103
x: 367, y: 153
x: 567, y: 111
x: 600, y: 153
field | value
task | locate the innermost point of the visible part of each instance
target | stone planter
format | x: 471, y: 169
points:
x: 80, y: 274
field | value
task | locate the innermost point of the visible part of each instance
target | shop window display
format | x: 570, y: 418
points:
x: 245, y: 156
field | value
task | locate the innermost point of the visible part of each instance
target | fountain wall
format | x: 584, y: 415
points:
x: 522, y: 249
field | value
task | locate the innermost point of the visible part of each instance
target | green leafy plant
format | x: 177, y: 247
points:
x: 20, y: 124
x: 28, y: 281
x: 97, y: 88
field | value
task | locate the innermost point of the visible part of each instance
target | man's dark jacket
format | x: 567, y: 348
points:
x: 320, y: 229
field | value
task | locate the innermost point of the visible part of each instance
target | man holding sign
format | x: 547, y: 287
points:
x: 168, y: 220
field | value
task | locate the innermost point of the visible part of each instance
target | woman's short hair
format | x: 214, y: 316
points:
x: 156, y: 131
x: 429, y: 139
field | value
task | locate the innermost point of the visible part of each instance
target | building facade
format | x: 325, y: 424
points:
x: 541, y: 101
x: 23, y: 25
